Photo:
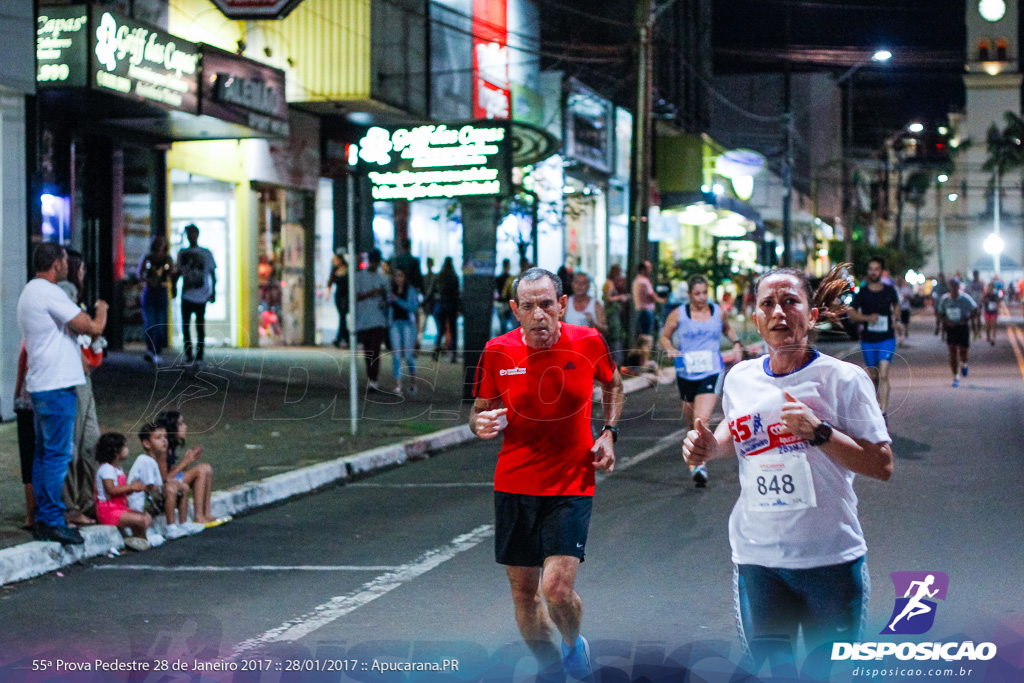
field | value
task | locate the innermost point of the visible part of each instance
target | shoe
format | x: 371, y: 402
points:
x: 963, y: 371
x: 413, y: 390
x: 699, y: 473
x: 372, y: 386
x: 154, y: 538
x: 193, y: 527
x: 157, y: 360
x: 137, y: 544
x: 148, y: 356
x: 175, y: 531
x: 398, y: 390
x: 956, y: 383
x: 218, y: 522
x: 59, y: 534
x: 576, y: 662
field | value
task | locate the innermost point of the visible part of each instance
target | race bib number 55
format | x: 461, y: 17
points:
x: 774, y: 471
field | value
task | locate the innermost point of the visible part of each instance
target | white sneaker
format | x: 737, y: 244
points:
x: 138, y: 544
x: 154, y: 538
x: 175, y: 531
x: 193, y: 527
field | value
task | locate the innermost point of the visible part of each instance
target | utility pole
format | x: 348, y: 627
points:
x: 640, y: 168
x: 940, y: 235
x: 849, y: 214
x: 787, y: 178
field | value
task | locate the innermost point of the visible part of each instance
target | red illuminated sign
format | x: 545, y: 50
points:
x: 492, y: 97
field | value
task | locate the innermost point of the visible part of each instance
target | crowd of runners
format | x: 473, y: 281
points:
x: 813, y: 421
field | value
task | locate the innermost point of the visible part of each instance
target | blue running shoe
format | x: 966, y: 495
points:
x: 576, y: 662
x: 963, y: 371
x: 699, y: 473
x: 956, y: 383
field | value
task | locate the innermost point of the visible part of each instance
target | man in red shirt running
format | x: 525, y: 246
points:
x: 535, y: 384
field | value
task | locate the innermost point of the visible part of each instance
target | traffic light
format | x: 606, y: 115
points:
x: 933, y: 147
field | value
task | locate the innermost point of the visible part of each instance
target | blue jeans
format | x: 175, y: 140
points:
x: 55, y: 435
x: 403, y: 345
x: 645, y: 322
x: 154, y: 318
x: 829, y: 602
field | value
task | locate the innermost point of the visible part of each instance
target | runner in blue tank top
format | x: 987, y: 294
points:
x: 692, y: 335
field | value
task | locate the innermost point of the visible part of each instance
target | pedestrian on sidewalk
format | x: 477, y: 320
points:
x: 501, y: 304
x: 615, y: 295
x: 644, y: 301
x: 429, y: 293
x: 535, y: 386
x: 339, y: 280
x: 938, y: 291
x: 583, y: 309
x: 404, y: 301
x: 692, y: 336
x: 976, y: 290
x: 156, y: 270
x: 371, y: 315
x: 197, y: 476
x: 198, y: 271
x: 112, y: 489
x: 26, y: 437
x: 79, y: 491
x: 954, y: 311
x: 50, y: 324
x: 446, y: 314
x: 813, y: 424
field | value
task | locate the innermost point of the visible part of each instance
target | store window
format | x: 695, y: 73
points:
x: 210, y: 205
x: 281, y: 220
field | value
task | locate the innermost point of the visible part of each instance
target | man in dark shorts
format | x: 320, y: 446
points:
x: 877, y: 307
x: 535, y: 385
x: 955, y: 310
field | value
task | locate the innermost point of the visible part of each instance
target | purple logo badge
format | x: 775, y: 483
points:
x: 916, y: 592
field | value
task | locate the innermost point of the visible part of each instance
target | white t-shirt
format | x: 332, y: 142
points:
x: 146, y: 470
x: 54, y: 356
x: 106, y: 471
x: 797, y: 508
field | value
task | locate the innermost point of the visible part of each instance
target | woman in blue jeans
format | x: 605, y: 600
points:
x: 802, y: 425
x: 156, y: 270
x: 403, y: 300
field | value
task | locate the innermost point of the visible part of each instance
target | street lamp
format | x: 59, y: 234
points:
x: 915, y: 127
x: 994, y: 245
x: 880, y: 56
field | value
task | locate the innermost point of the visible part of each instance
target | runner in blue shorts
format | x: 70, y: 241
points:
x: 877, y: 307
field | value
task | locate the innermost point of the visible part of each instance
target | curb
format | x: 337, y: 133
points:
x: 36, y: 558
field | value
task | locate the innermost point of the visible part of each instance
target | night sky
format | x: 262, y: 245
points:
x: 922, y: 82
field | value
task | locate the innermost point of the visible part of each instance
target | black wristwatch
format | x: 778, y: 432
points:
x: 613, y: 430
x: 822, y: 434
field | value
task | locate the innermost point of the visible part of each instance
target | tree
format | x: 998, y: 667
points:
x: 1005, y: 149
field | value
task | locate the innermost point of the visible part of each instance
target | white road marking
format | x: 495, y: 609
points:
x: 253, y: 568
x: 673, y: 439
x: 337, y: 607
x: 438, y: 485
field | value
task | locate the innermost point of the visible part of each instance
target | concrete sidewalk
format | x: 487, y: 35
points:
x: 288, y: 411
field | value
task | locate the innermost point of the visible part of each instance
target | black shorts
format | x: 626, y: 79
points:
x: 959, y: 336
x: 530, y: 529
x: 689, y: 388
x: 905, y: 316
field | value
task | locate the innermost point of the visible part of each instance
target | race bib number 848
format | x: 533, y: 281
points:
x: 774, y: 471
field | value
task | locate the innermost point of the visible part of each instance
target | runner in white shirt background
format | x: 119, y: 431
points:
x: 802, y: 425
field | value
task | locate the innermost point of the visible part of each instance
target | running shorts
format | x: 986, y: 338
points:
x: 905, y: 316
x: 690, y: 388
x: 877, y: 352
x: 959, y: 336
x: 992, y: 316
x: 530, y: 529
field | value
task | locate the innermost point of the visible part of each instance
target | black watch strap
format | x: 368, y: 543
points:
x: 613, y: 430
x: 822, y: 434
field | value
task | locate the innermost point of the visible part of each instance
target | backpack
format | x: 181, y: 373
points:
x: 193, y: 271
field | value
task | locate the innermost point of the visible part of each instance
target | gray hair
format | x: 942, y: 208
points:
x: 532, y: 275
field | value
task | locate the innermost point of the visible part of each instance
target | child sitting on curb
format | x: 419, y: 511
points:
x: 112, y: 490
x: 197, y: 477
x: 148, y: 470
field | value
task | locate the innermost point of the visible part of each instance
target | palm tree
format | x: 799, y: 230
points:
x: 1005, y: 149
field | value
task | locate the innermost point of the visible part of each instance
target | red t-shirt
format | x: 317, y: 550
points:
x: 549, y: 396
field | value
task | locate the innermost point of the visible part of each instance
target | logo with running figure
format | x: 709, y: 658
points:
x: 914, y: 612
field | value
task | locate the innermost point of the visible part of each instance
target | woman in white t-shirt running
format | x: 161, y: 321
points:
x: 802, y: 425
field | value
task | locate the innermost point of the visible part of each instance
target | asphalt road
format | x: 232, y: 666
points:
x: 399, y: 566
